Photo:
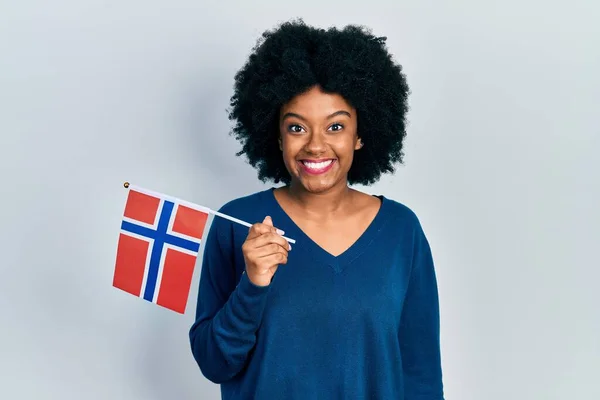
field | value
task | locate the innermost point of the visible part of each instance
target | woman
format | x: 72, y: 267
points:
x: 351, y: 310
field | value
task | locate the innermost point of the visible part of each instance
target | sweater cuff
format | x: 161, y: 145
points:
x: 248, y: 289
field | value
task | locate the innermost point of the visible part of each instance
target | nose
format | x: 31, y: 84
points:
x: 316, y: 144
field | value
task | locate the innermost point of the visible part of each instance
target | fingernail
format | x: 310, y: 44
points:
x: 289, y: 246
x: 279, y: 231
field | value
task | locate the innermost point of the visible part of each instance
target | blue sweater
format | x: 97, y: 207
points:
x: 362, y: 325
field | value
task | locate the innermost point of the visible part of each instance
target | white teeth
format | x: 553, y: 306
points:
x: 317, y: 165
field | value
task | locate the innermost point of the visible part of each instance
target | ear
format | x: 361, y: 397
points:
x: 358, y: 145
x: 280, y: 145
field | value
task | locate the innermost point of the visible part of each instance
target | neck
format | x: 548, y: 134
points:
x: 320, y: 204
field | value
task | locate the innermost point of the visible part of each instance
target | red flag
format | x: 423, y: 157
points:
x: 158, y: 248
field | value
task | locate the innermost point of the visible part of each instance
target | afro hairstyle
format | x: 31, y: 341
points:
x: 351, y: 62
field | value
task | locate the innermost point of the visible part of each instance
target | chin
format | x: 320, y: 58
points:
x: 318, y: 185
x: 317, y: 189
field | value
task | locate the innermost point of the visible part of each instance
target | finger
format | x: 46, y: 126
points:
x: 267, y: 250
x: 274, y: 259
x: 258, y: 229
x: 268, y: 238
x: 261, y: 228
x: 268, y: 221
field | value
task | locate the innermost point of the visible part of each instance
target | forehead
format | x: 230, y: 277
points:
x: 315, y: 103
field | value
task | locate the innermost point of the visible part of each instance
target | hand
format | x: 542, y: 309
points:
x: 264, y: 250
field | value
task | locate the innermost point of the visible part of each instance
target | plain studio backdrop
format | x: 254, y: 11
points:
x: 501, y: 166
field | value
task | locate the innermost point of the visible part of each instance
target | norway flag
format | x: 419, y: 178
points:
x: 158, y: 247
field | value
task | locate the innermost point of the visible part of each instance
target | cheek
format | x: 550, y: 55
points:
x: 345, y: 149
x: 289, y: 153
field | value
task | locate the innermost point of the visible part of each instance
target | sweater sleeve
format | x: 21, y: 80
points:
x: 419, y: 333
x: 228, y: 311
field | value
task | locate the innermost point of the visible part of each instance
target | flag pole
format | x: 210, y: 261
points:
x: 127, y: 185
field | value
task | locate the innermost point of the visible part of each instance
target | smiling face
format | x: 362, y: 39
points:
x: 318, y: 138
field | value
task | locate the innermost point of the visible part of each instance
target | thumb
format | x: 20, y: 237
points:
x: 268, y: 221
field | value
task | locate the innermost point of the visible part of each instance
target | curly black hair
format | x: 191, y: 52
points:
x: 351, y: 62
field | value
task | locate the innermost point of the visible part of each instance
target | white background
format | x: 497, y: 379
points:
x: 502, y: 167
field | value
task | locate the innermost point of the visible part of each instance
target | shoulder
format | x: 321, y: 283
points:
x: 401, y: 215
x: 405, y: 226
x: 398, y: 210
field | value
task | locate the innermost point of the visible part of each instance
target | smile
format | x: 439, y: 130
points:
x: 316, y: 167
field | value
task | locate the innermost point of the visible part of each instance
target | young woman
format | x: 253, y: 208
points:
x: 350, y: 311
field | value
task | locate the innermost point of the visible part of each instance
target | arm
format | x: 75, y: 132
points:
x: 420, y: 327
x: 227, y: 316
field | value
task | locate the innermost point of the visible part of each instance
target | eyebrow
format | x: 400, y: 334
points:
x: 335, y: 114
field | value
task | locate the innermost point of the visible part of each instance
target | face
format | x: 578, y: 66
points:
x: 318, y: 139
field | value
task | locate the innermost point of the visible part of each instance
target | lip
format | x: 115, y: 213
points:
x: 312, y: 171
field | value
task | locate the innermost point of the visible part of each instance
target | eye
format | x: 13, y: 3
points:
x: 336, y: 127
x: 295, y: 128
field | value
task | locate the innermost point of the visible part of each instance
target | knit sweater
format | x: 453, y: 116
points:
x: 360, y: 325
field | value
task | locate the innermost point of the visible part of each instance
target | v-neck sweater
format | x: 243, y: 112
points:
x: 360, y: 325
